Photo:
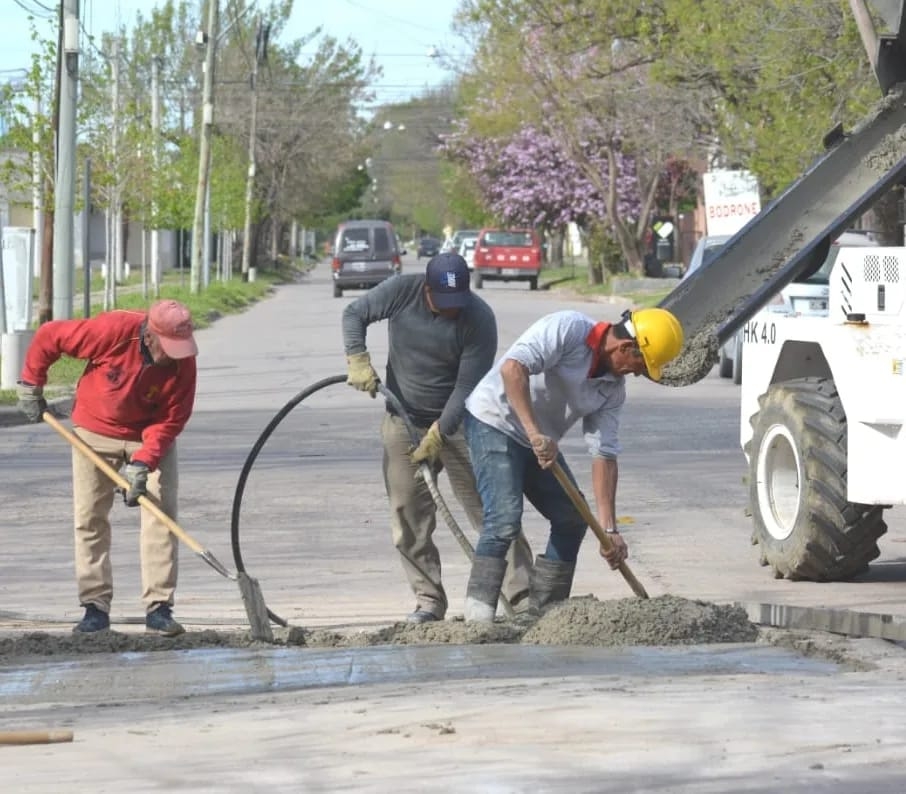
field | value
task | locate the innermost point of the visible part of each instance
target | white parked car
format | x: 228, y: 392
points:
x: 805, y: 296
x: 453, y: 243
x: 467, y: 250
x: 705, y: 250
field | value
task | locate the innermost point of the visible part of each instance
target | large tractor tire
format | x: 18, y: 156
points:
x: 797, y: 487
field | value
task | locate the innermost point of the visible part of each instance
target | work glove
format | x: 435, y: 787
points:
x: 545, y: 449
x: 428, y: 450
x: 361, y: 374
x: 136, y: 474
x: 31, y: 401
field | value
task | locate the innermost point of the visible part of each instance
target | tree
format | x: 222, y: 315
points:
x: 777, y: 75
x: 591, y: 86
x: 730, y: 84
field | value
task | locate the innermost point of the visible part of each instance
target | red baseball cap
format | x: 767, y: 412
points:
x: 172, y: 323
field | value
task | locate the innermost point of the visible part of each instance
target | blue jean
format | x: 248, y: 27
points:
x: 504, y: 472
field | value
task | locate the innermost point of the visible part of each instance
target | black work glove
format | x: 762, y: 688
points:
x: 136, y: 474
x: 31, y: 401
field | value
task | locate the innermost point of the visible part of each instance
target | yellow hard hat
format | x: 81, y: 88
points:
x: 659, y: 336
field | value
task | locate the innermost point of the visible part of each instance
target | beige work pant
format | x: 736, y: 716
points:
x: 93, y: 495
x: 413, y: 518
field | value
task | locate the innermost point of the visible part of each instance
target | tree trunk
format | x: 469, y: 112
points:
x: 555, y: 248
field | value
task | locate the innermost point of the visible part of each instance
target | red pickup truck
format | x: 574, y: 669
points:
x: 507, y: 255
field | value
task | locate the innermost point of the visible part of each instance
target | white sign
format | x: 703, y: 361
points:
x: 17, y: 276
x: 731, y: 200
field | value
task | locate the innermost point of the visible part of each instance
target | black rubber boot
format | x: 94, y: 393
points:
x: 484, y: 588
x: 551, y: 582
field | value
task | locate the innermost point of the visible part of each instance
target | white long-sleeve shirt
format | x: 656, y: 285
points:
x: 556, y: 352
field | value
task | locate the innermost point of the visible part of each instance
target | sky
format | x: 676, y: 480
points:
x: 399, y: 33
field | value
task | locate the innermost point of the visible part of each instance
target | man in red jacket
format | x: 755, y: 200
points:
x: 132, y: 401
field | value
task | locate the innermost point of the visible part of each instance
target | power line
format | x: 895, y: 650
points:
x: 48, y: 13
x: 384, y: 15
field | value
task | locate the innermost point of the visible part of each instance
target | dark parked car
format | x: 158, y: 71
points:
x: 365, y: 253
x: 428, y: 246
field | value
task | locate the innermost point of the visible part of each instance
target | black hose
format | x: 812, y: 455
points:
x: 268, y: 431
x: 247, y: 467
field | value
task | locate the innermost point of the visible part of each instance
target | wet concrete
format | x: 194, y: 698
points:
x: 135, y: 677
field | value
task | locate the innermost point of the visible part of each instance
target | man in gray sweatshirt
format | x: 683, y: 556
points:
x: 442, y: 340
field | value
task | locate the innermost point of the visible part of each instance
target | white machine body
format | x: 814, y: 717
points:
x: 860, y: 344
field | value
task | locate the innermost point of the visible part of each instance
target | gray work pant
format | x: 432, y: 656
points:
x: 413, y: 517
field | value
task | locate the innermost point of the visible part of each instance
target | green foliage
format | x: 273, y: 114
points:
x: 604, y: 254
x: 339, y: 197
x: 782, y: 72
x: 220, y: 298
x: 25, y: 107
x: 761, y: 80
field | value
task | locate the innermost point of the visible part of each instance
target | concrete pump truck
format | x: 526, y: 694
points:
x: 823, y: 400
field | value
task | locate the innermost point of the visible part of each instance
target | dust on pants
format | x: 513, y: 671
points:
x: 413, y: 517
x: 93, y: 494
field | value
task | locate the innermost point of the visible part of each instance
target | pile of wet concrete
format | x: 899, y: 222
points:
x: 586, y: 621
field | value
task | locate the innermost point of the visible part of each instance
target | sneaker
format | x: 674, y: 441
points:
x: 421, y: 616
x: 95, y: 620
x: 160, y: 621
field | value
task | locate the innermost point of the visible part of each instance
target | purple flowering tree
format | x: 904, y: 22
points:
x: 530, y: 179
x: 582, y: 73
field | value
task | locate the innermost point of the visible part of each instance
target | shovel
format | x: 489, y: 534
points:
x: 575, y: 496
x: 427, y: 474
x: 249, y: 589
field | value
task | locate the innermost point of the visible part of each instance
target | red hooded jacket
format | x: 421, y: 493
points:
x: 120, y: 394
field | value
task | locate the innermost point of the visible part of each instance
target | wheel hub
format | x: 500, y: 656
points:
x: 779, y: 474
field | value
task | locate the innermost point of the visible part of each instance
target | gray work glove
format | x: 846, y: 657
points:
x: 31, y: 401
x: 136, y: 474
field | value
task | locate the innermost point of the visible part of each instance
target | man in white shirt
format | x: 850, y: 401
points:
x: 565, y: 367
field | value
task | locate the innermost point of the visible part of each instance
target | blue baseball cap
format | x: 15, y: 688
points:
x: 448, y: 277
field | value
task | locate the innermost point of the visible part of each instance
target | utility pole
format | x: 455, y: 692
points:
x: 45, y: 291
x: 86, y: 239
x: 204, y: 149
x: 155, y: 154
x: 261, y: 37
x: 115, y: 259
x: 37, y: 191
x: 64, y: 194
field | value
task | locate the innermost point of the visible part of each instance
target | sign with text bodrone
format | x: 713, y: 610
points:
x: 731, y: 200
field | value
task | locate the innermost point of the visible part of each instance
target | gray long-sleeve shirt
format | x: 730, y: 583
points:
x: 433, y: 362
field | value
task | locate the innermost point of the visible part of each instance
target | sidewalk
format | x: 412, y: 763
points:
x: 10, y: 416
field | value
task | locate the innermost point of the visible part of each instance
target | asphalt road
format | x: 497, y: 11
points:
x: 313, y: 530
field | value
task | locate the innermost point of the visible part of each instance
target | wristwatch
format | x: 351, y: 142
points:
x: 611, y: 531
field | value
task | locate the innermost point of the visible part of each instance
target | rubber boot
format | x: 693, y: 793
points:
x: 551, y: 582
x: 484, y: 588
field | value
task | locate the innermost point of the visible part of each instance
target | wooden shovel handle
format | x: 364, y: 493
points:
x: 575, y: 496
x: 34, y: 737
x: 118, y: 479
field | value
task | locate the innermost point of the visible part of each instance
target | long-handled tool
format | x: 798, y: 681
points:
x: 249, y: 588
x: 427, y: 474
x: 575, y: 496
x: 35, y: 737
